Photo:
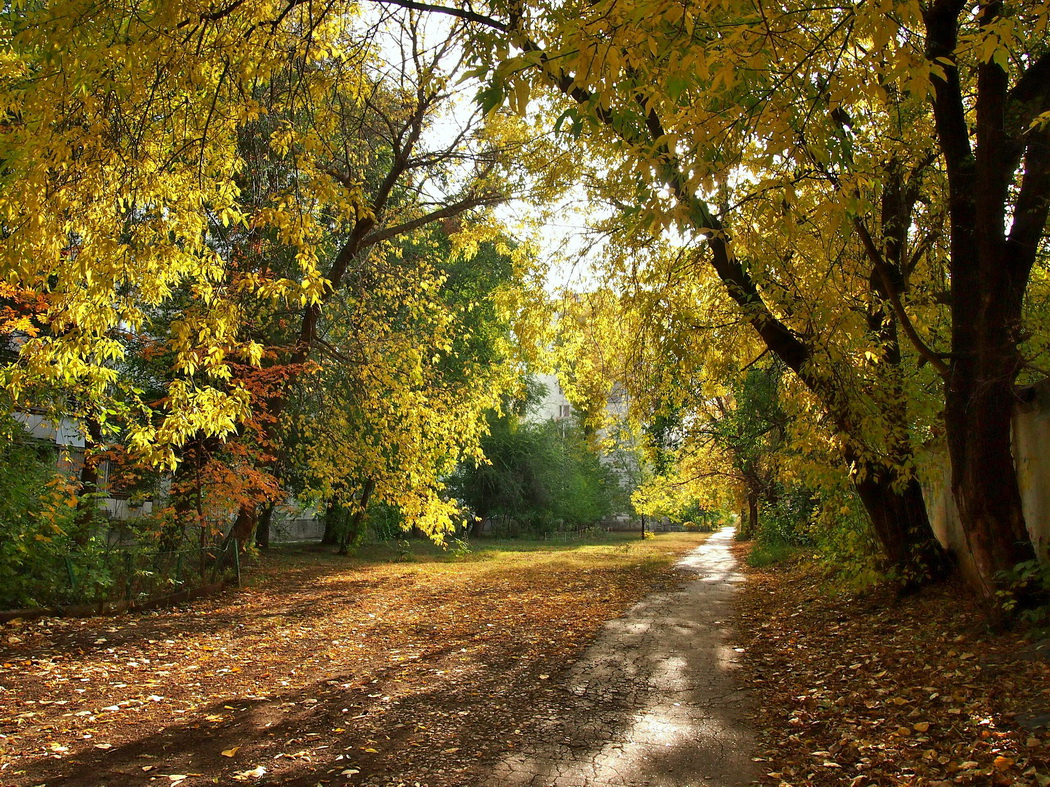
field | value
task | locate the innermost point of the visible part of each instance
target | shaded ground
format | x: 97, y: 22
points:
x: 866, y: 689
x: 372, y: 674
x: 654, y: 701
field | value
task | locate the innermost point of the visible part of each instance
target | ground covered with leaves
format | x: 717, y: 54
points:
x: 320, y: 671
x: 867, y: 689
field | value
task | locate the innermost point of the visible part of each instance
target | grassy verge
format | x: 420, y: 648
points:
x: 606, y: 550
x: 762, y: 554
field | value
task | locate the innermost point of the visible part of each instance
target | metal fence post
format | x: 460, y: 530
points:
x: 129, y: 576
x: 72, y: 576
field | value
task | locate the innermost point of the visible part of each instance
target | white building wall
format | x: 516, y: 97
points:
x: 554, y: 406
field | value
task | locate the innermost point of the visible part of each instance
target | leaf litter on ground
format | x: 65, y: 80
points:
x: 322, y: 670
x: 867, y: 689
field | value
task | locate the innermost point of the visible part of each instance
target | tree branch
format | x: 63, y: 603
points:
x: 895, y: 301
x: 474, y: 201
x: 458, y: 13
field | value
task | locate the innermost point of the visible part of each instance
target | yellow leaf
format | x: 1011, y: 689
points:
x: 1002, y: 763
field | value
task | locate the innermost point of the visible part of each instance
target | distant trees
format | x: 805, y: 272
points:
x: 536, y: 477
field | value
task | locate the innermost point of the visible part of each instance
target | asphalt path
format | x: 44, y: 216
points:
x: 653, y: 702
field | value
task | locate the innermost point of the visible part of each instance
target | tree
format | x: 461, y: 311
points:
x: 119, y: 151
x: 379, y: 178
x: 402, y: 386
x: 989, y: 71
x: 278, y: 160
x: 539, y: 476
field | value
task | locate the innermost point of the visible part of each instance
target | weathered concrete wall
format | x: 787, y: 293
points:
x: 1031, y: 448
x: 1031, y: 443
x: 303, y: 529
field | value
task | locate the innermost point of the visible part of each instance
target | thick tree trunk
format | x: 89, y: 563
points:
x: 477, y: 527
x: 262, y: 531
x: 898, y: 515
x: 980, y: 402
x: 984, y: 484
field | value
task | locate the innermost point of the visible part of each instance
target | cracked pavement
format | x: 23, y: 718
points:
x: 653, y: 702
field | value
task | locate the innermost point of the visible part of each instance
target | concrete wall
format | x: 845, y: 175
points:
x: 1031, y: 444
x: 1031, y: 448
x: 300, y: 529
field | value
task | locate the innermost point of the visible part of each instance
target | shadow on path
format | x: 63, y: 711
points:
x: 653, y: 703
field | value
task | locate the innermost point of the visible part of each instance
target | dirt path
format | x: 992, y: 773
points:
x: 654, y: 701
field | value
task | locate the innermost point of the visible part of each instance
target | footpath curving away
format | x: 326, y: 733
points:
x: 653, y: 702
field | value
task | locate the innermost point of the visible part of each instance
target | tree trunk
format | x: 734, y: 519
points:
x: 750, y: 529
x: 352, y: 535
x: 898, y: 515
x: 980, y: 403
x: 331, y: 525
x: 477, y: 527
x: 244, y: 526
x: 262, y: 531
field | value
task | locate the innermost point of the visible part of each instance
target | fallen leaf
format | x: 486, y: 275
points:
x: 230, y: 752
x: 254, y: 773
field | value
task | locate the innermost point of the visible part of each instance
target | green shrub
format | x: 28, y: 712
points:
x: 1028, y: 592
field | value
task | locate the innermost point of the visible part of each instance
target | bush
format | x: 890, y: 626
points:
x: 540, y: 478
x: 788, y: 519
x: 37, y: 514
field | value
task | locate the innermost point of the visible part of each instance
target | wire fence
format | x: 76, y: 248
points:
x: 124, y: 574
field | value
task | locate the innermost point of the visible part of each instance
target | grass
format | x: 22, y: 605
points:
x: 768, y: 554
x: 606, y: 550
